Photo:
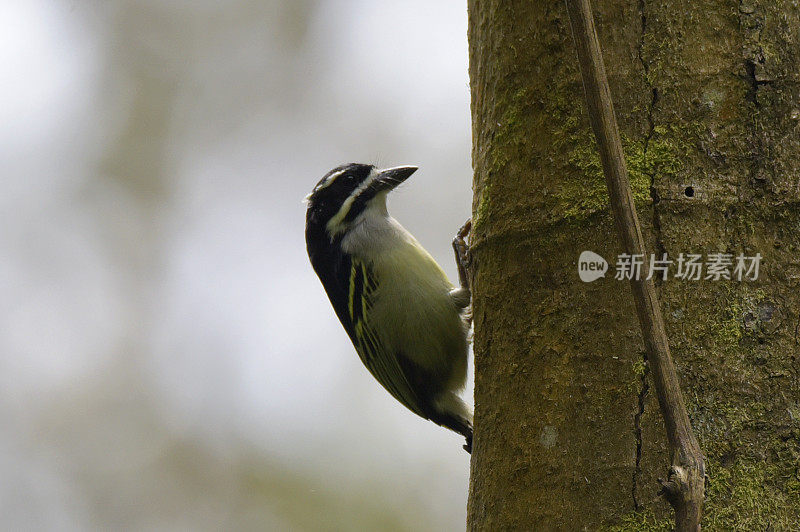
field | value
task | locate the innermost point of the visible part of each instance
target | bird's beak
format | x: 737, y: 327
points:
x: 389, y: 178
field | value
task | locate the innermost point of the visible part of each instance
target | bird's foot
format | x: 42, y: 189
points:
x: 463, y: 295
x: 463, y: 256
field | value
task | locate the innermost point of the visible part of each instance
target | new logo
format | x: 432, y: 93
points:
x: 591, y: 266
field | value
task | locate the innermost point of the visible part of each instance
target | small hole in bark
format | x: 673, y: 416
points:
x: 689, y: 191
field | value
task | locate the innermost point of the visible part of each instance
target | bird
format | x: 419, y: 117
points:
x: 406, y: 320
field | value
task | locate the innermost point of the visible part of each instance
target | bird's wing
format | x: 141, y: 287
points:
x: 393, y: 370
x: 351, y: 285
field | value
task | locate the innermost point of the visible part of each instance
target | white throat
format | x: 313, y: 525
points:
x: 373, y: 231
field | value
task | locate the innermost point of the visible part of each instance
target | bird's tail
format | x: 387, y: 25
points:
x: 451, y: 412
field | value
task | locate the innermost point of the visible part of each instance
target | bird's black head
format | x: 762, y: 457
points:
x: 344, y: 192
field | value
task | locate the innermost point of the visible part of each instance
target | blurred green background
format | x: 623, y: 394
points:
x: 168, y: 359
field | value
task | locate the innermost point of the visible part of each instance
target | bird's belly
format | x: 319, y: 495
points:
x: 419, y: 319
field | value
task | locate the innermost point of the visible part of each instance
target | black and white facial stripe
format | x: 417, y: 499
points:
x: 343, y: 193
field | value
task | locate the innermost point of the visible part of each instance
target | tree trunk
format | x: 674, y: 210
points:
x: 707, y: 96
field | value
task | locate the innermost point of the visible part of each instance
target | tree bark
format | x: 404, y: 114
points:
x: 708, y: 100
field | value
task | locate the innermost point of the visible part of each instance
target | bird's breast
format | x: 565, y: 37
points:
x: 414, y: 309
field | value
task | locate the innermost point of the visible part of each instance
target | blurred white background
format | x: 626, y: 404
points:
x: 168, y: 359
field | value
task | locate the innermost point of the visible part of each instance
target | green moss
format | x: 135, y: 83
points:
x: 511, y: 128
x: 639, y: 369
x: 735, y: 306
x: 727, y: 329
x: 743, y: 496
x: 584, y: 197
x: 751, y: 496
x: 582, y: 190
x: 483, y: 205
x: 643, y: 521
x: 723, y: 434
x: 665, y: 152
x: 510, y: 131
x: 579, y: 186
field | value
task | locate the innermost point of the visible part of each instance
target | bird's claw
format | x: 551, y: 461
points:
x: 463, y: 257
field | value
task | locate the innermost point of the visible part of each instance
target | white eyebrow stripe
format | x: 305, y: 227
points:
x: 330, y: 179
x: 334, y: 225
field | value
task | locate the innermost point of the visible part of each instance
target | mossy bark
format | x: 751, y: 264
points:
x: 707, y: 95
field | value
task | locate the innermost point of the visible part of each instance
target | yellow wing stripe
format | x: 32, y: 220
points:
x: 383, y: 366
x: 366, y: 302
x: 352, y: 290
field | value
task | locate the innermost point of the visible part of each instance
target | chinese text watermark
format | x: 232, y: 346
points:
x: 688, y: 267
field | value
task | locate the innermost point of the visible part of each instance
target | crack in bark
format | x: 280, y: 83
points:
x: 750, y: 26
x: 637, y: 430
x: 659, y: 243
x: 752, y: 81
